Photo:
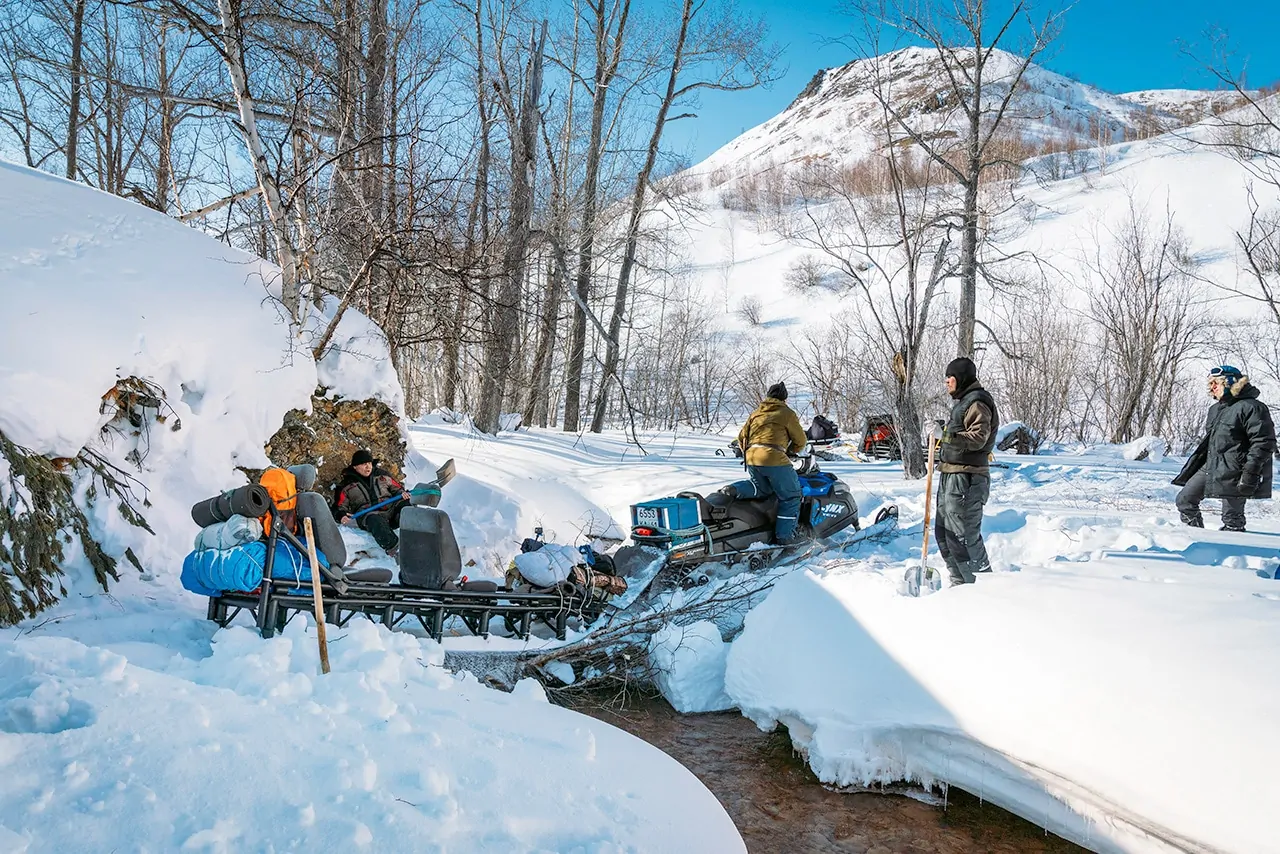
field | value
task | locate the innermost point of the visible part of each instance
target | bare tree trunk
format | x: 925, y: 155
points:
x: 233, y: 47
x: 477, y: 220
x: 540, y: 376
x: 969, y: 241
x: 73, y: 116
x: 373, y: 146
x: 164, y: 159
x: 506, y: 317
x: 606, y: 69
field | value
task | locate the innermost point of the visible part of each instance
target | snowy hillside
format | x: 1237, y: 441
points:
x: 127, y: 721
x: 836, y: 116
x: 739, y: 245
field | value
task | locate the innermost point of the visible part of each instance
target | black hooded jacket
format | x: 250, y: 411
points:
x: 1239, y: 443
x: 355, y: 493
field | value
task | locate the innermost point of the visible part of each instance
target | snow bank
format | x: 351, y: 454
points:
x: 249, y: 750
x: 690, y: 662
x: 356, y: 363
x: 98, y: 289
x: 1147, y: 448
x: 1084, y: 697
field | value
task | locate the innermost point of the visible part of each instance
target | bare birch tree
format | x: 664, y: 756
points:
x: 980, y: 82
x: 523, y: 117
x: 1150, y: 320
x: 714, y: 49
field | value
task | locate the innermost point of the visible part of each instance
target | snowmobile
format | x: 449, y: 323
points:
x: 690, y: 529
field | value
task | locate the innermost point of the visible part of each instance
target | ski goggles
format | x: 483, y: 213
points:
x: 1224, y: 373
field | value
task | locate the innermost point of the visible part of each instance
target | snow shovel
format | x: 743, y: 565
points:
x: 919, y: 576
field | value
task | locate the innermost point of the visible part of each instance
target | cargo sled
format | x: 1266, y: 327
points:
x: 269, y: 579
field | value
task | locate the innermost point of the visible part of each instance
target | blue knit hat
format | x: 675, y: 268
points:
x: 1230, y: 373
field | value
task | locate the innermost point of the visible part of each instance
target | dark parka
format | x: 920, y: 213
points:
x: 355, y: 493
x: 1236, y: 452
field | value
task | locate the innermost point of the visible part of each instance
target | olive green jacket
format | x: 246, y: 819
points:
x: 771, y: 430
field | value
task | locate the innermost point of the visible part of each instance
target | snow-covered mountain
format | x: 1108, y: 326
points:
x: 838, y: 115
x: 1178, y: 107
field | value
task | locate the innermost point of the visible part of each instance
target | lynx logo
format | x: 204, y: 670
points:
x: 833, y: 510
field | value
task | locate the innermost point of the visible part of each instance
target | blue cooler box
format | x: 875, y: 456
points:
x: 670, y: 514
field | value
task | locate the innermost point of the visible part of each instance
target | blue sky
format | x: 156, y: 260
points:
x: 1117, y: 45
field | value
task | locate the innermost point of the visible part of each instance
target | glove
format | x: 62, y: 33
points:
x: 1248, y: 484
x: 946, y: 436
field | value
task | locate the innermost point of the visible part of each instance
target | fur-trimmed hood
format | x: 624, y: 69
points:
x: 1241, y: 390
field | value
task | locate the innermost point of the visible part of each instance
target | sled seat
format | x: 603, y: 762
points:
x: 708, y: 511
x: 430, y: 563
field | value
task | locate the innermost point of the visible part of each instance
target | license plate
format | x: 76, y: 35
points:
x: 647, y: 516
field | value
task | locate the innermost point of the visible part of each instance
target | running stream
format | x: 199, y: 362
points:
x: 779, y: 806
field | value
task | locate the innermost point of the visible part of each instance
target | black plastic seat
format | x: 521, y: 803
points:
x: 756, y: 513
x: 429, y: 555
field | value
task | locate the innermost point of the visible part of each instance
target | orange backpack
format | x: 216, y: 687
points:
x: 282, y: 486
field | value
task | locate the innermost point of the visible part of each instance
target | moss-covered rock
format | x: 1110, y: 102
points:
x: 334, y: 430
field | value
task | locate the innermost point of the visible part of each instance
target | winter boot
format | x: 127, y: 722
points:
x: 959, y: 574
x: 1194, y: 519
x: 1239, y: 529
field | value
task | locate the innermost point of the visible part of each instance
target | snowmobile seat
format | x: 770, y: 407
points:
x: 707, y: 511
x: 756, y: 513
x: 311, y: 505
x: 429, y: 555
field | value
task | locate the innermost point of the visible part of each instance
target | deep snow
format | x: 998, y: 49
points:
x: 128, y: 723
x: 1113, y: 680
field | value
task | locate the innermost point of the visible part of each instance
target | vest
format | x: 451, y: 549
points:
x: 979, y: 458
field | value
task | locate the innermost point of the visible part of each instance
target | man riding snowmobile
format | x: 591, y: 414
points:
x: 773, y: 433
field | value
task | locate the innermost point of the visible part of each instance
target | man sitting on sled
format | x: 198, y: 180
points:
x: 364, y: 485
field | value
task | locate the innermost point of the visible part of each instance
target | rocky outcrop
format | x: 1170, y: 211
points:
x: 333, y: 430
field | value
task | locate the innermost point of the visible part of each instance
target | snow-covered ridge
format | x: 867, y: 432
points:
x: 836, y: 116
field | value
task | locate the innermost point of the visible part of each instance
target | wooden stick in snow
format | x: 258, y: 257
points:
x: 928, y: 504
x: 317, y: 596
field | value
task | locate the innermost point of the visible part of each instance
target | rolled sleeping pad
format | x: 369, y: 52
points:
x: 251, y: 500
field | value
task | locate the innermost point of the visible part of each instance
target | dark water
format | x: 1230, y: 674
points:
x: 779, y: 806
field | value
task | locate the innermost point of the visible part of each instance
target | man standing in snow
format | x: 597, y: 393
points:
x: 1233, y: 460
x: 363, y: 485
x: 965, y: 482
x: 771, y: 433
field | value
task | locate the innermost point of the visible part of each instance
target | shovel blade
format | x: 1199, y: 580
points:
x: 921, y: 580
